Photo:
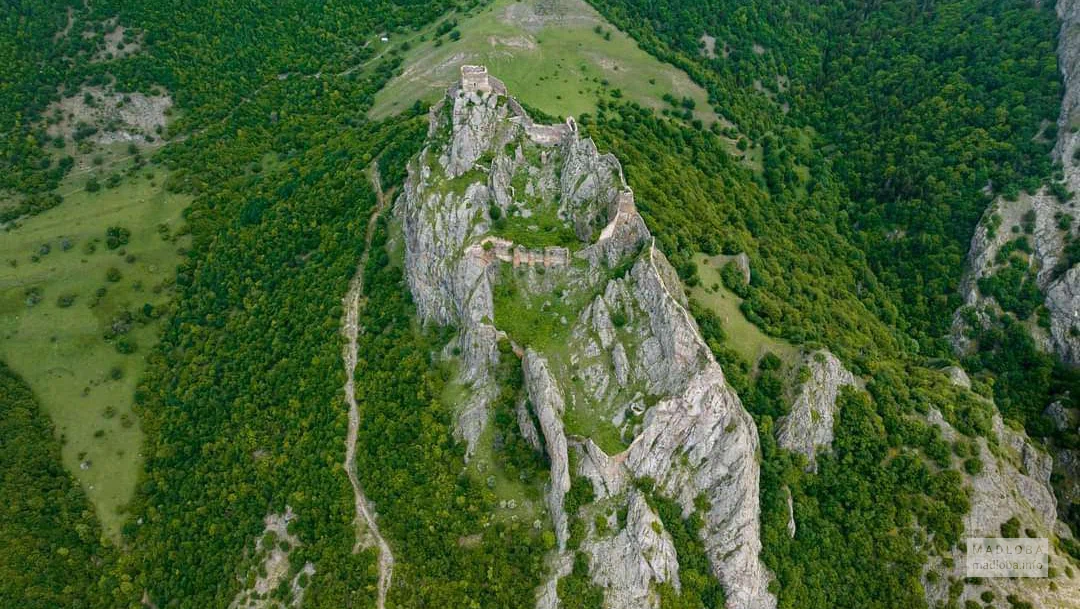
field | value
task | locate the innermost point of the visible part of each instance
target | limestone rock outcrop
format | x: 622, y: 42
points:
x: 548, y: 405
x: 1063, y: 303
x: 1038, y: 220
x: 526, y: 233
x: 809, y: 425
x: 1014, y: 482
x: 1045, y: 226
x: 641, y: 553
x: 1066, y: 468
x: 958, y: 377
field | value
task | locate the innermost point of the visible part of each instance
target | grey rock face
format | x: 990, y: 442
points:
x: 1062, y: 417
x: 1066, y: 460
x: 1032, y: 478
x: 809, y: 425
x: 790, y: 513
x: 1067, y: 465
x: 549, y: 406
x: 958, y: 377
x: 628, y: 359
x: 629, y: 563
x: 707, y: 424
x: 1068, y: 12
x: 1063, y: 302
x: 475, y: 120
x: 527, y: 427
x: 1040, y: 214
x: 1014, y: 484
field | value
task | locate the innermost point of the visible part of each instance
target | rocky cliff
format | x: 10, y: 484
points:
x: 809, y: 425
x: 1013, y: 482
x: 1037, y: 230
x: 525, y: 233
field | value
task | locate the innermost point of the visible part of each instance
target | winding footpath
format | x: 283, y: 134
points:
x: 367, y: 531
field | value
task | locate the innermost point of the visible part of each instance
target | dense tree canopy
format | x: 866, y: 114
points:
x: 53, y: 552
x: 912, y: 109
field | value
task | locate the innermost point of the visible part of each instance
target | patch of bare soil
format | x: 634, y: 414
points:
x: 606, y: 63
x: 116, y: 41
x: 118, y: 44
x: 67, y: 27
x: 514, y: 42
x: 708, y: 46
x: 441, y: 74
x: 535, y: 15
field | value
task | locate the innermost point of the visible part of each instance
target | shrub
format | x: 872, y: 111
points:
x: 126, y: 346
x: 116, y: 236
x: 1010, y: 528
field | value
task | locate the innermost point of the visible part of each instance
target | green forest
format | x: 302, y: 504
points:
x: 53, y: 553
x: 888, y: 146
x: 883, y: 129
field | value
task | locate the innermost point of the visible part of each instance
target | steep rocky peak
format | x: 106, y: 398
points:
x: 488, y: 131
x: 525, y: 233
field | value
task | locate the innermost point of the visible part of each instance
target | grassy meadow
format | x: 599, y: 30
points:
x: 74, y: 320
x: 744, y: 337
x: 559, y: 57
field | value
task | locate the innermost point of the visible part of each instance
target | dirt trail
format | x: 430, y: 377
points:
x: 367, y: 531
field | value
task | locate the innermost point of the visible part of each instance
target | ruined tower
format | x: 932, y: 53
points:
x: 474, y: 79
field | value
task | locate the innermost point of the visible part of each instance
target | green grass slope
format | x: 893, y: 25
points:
x: 745, y: 338
x: 54, y: 324
x: 556, y: 55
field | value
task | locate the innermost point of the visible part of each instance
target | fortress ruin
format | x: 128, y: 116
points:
x: 475, y: 79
